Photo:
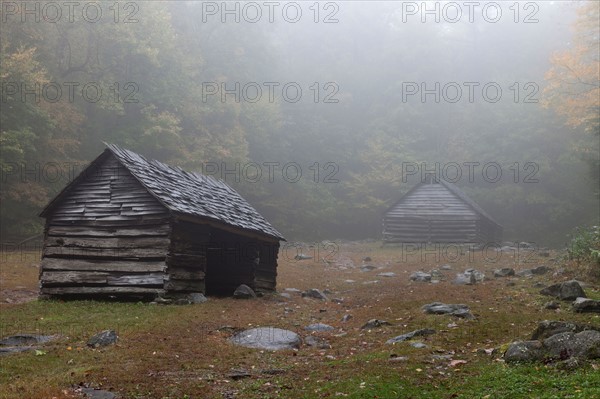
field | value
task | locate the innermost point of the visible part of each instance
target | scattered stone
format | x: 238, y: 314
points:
x: 463, y: 279
x: 314, y: 293
x: 410, y: 335
x: 418, y: 345
x: 504, y: 272
x: 244, y: 292
x: 197, y: 297
x: 586, y: 305
x: 273, y: 371
x: 26, y: 339
x: 346, y: 318
x: 285, y: 295
x: 338, y: 300
x: 375, y: 323
x: 238, y: 374
x: 349, y: 281
x: 302, y: 257
x: 367, y: 268
x: 552, y: 305
x: 446, y: 267
x: 92, y: 393
x: 269, y: 338
x: 319, y: 327
x: 548, y: 328
x: 103, y: 338
x: 539, y: 285
x: 541, y: 270
x: 387, y: 274
x: 317, y: 342
x: 584, y: 345
x: 420, y: 276
x: 458, y: 310
x: 524, y: 273
x: 569, y: 364
x: 524, y: 351
x: 479, y: 276
x: 566, y: 291
x: 367, y: 259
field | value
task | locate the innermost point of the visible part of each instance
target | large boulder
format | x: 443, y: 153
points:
x: 586, y: 305
x: 565, y: 291
x: 524, y: 351
x: 583, y: 345
x: 269, y: 338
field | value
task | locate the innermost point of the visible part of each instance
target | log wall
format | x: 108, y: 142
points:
x: 108, y: 235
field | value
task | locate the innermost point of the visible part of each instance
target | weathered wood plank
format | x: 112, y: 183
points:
x: 180, y: 274
x: 73, y: 277
x: 157, y: 279
x: 109, y: 242
x: 100, y: 290
x: 102, y: 265
x: 100, y: 231
x: 135, y: 253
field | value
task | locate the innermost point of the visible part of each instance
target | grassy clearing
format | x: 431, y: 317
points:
x: 180, y: 352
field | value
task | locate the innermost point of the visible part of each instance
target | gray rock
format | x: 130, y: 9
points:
x: 346, y: 318
x: 293, y: 290
x: 103, y: 338
x: 317, y: 342
x: 269, y: 338
x: 584, y: 345
x: 458, y: 310
x: 586, y: 305
x: 418, y: 345
x: 479, y: 276
x: 92, y: 393
x: 319, y: 327
x: 464, y: 279
x: 504, y: 272
x: 566, y: 291
x: 421, y: 277
x: 238, y: 374
x: 197, y: 298
x: 387, y: 274
x: 524, y: 351
x: 285, y: 295
x: 542, y: 269
x: 552, y: 305
x: 367, y: 259
x: 548, y: 328
x: 367, y: 268
x: 244, y: 292
x: 446, y: 267
x: 375, y: 323
x: 302, y: 257
x: 410, y: 335
x: 314, y: 293
x: 26, y: 340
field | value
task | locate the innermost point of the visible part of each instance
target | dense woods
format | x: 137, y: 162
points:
x: 321, y: 123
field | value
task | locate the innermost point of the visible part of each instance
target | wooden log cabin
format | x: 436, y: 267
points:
x: 128, y: 226
x: 436, y: 211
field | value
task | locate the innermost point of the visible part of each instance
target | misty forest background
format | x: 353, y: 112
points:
x: 363, y: 138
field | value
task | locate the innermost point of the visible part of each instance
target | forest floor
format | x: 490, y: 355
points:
x: 177, y: 352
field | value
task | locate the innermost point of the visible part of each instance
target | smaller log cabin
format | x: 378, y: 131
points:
x: 436, y: 211
x: 129, y: 226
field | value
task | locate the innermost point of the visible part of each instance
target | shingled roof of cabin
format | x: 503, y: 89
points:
x: 184, y: 192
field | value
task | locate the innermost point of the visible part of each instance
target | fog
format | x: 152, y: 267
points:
x: 321, y: 114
